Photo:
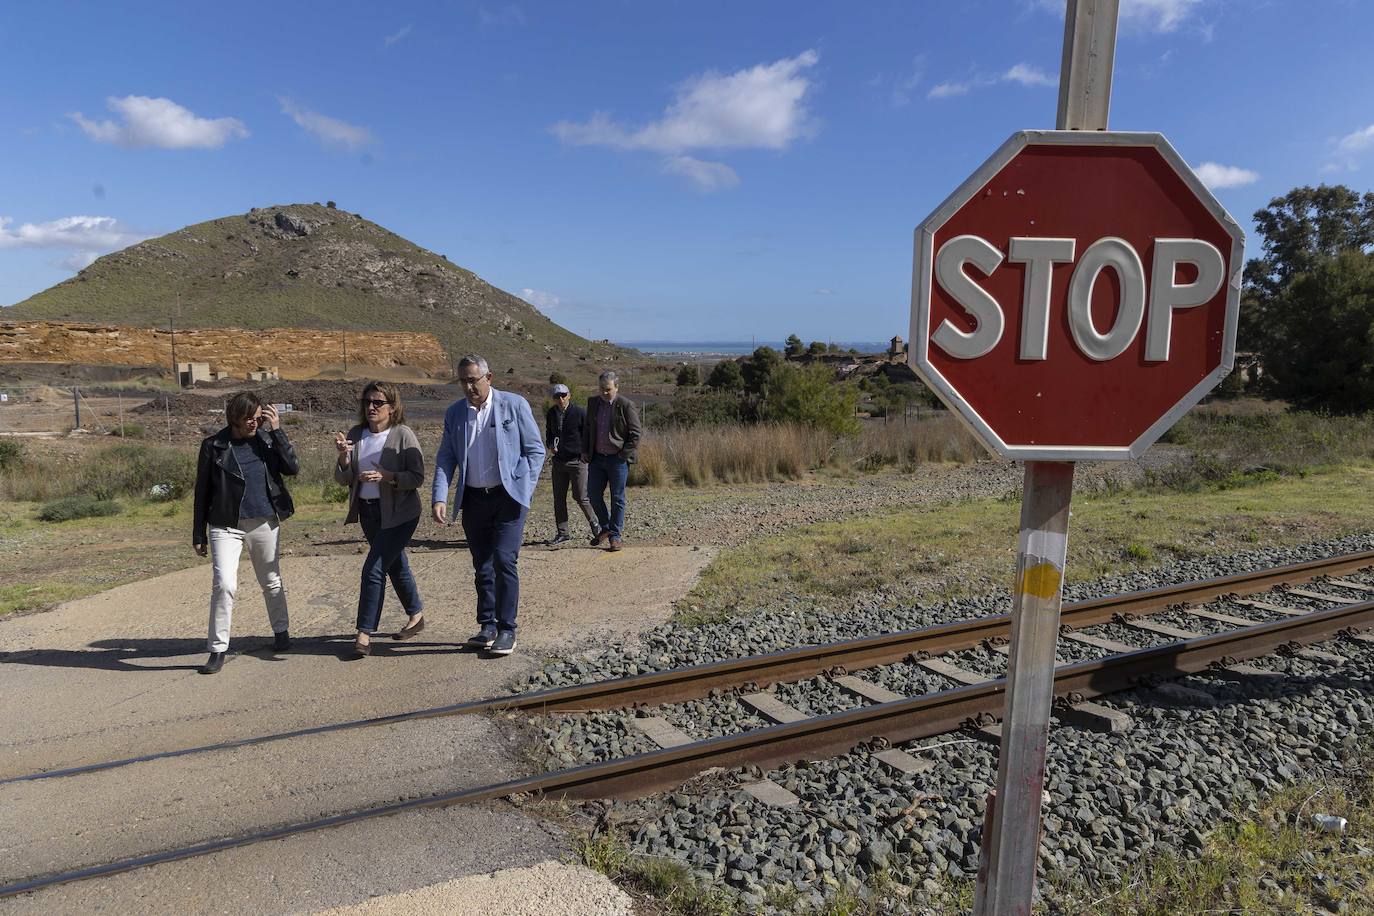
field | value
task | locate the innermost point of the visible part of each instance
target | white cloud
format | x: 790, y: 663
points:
x: 904, y: 86
x: 159, y: 123
x: 329, y: 131
x: 763, y: 107
x: 539, y: 299
x: 87, y: 237
x: 1142, y: 15
x: 707, y: 176
x: 823, y: 291
x: 1217, y: 176
x: 396, y: 36
x: 1024, y: 74
x: 947, y: 90
x: 1156, y: 15
x: 1352, y: 146
x: 1027, y: 75
x: 77, y: 261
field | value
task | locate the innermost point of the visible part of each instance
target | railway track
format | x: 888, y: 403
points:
x: 681, y: 684
x: 898, y: 720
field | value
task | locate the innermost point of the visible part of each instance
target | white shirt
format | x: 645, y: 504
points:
x: 482, y: 467
x: 368, y: 454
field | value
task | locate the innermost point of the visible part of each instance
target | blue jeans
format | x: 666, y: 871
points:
x: 613, y: 470
x: 494, y: 525
x: 387, y: 558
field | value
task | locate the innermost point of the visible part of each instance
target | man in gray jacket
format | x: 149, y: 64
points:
x: 610, y: 440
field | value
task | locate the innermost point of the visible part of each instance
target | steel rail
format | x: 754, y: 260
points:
x: 896, y: 722
x: 693, y: 682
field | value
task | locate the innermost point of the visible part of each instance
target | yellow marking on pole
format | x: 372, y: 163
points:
x: 1041, y: 580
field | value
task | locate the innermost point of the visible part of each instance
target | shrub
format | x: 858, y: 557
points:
x: 726, y: 376
x: 129, y: 431
x: 808, y: 395
x: 332, y: 492
x: 688, y: 374
x: 131, y: 469
x: 11, y: 453
x: 74, y: 507
x: 706, y: 408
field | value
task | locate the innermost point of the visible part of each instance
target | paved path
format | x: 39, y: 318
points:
x: 113, y: 676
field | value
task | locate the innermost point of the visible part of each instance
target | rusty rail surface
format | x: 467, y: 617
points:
x: 824, y: 736
x: 697, y: 681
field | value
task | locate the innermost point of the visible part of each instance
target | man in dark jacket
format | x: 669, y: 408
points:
x: 610, y: 439
x: 563, y: 437
x: 241, y: 498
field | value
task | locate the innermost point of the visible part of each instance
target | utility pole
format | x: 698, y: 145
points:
x: 172, y: 327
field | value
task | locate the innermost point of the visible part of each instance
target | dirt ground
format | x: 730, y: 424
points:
x: 112, y: 676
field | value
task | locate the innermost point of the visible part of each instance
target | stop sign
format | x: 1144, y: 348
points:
x: 1076, y: 295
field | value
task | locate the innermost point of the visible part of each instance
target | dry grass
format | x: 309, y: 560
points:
x: 739, y: 453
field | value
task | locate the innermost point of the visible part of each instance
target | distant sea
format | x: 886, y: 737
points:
x: 731, y: 347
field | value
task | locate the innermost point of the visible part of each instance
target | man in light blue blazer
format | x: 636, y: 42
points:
x: 491, y: 441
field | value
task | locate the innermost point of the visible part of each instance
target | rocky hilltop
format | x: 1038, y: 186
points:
x: 311, y: 266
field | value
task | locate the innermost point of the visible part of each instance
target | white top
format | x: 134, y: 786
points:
x: 482, y: 467
x: 368, y: 455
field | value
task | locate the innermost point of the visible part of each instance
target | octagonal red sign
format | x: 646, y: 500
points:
x: 1076, y: 295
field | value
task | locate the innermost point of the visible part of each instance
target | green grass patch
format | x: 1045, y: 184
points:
x: 675, y: 890
x: 29, y: 596
x: 970, y: 547
x: 70, y: 508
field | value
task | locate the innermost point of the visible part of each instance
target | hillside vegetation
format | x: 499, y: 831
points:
x: 306, y: 265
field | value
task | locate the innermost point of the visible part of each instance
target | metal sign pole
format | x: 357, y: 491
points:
x: 1011, y: 850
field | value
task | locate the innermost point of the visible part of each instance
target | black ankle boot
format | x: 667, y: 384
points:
x: 281, y: 642
x: 213, y: 663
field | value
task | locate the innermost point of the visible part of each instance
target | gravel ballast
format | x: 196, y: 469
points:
x: 1112, y: 799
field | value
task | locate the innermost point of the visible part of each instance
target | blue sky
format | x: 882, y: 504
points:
x: 636, y: 169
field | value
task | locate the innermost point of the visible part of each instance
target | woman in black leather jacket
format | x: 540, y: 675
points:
x: 241, y: 498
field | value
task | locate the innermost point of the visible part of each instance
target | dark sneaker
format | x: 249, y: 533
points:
x: 212, y: 664
x: 484, y: 638
x: 600, y: 538
x: 616, y: 543
x: 560, y: 539
x: 281, y: 642
x: 505, y: 643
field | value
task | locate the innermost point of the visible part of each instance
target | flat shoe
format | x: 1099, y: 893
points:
x: 409, y: 629
x: 362, y: 649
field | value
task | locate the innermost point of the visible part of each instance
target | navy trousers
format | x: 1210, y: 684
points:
x: 386, y: 560
x: 494, y: 525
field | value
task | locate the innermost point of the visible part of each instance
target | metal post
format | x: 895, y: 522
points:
x: 344, y: 335
x: 76, y: 405
x: 1007, y: 885
x: 1085, y: 71
x: 122, y: 431
x: 172, y: 328
x: 1006, y: 876
x: 167, y: 407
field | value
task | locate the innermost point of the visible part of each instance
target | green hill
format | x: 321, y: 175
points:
x: 306, y: 265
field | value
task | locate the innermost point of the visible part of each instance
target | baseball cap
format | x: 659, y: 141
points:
x: 558, y: 389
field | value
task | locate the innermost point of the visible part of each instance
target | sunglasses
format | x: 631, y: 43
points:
x: 378, y: 403
x: 258, y: 419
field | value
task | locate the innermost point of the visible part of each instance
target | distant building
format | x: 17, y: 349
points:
x: 896, y: 350
x: 190, y: 373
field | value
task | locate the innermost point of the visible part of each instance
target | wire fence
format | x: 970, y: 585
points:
x: 54, y: 410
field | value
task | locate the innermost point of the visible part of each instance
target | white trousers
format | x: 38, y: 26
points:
x: 262, y: 535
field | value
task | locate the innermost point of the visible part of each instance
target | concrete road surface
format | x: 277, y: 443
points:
x: 113, y: 676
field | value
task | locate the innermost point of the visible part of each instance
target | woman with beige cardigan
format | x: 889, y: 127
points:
x: 381, y: 464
